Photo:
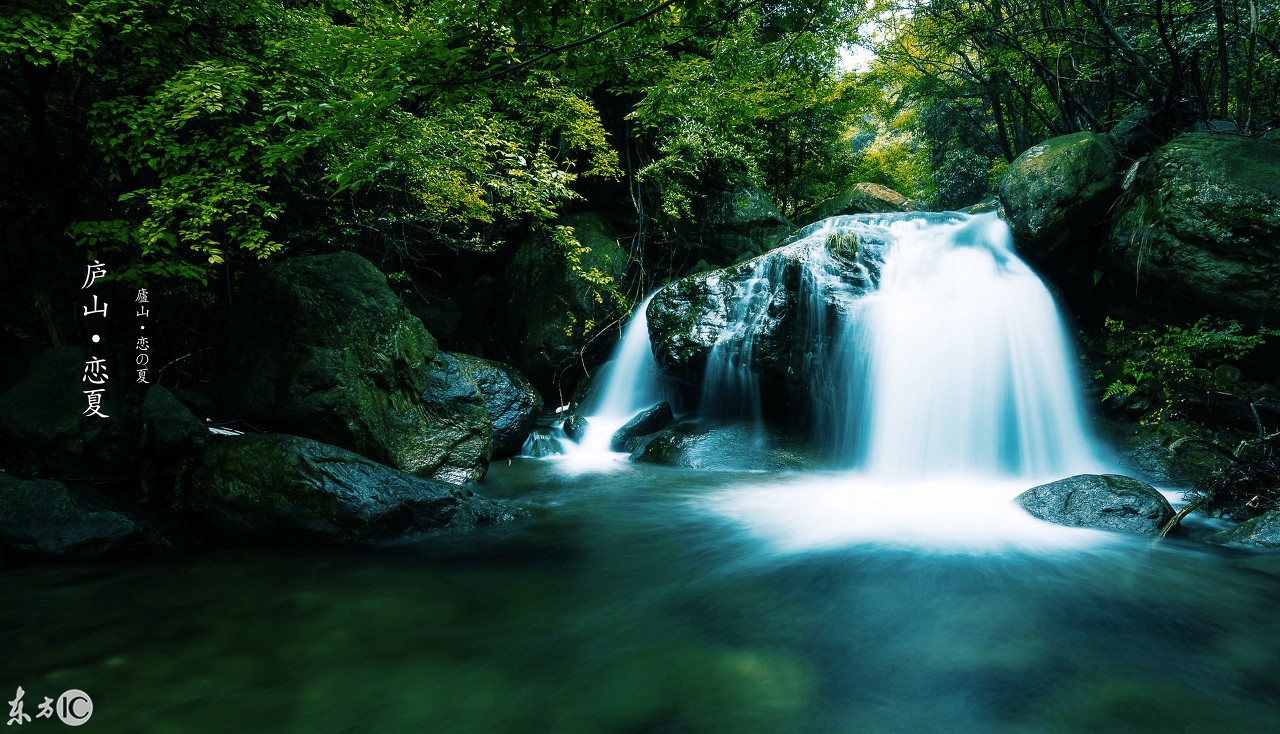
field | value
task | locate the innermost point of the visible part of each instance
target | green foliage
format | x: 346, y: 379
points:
x: 1167, y: 365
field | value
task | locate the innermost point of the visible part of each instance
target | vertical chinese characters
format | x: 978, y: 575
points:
x: 143, y: 346
x: 95, y: 369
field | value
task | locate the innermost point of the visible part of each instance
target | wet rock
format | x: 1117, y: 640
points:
x: 460, y: 443
x: 756, y: 302
x: 1201, y: 226
x: 169, y: 430
x: 647, y: 421
x: 724, y: 447
x: 1260, y: 532
x: 511, y: 401
x: 1055, y: 192
x: 321, y: 347
x: 1099, y: 501
x: 861, y: 198
x: 574, y: 427
x: 278, y: 486
x: 44, y: 431
x: 44, y: 519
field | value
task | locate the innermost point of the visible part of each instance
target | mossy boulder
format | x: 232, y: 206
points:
x: 552, y: 315
x: 860, y: 198
x: 321, y: 347
x: 1260, y: 532
x: 1099, y: 501
x: 511, y: 401
x: 44, y: 430
x: 42, y: 519
x: 276, y: 486
x: 1201, y: 226
x: 741, y: 223
x: 1058, y: 191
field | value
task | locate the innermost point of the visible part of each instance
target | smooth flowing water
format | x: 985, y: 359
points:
x: 631, y: 604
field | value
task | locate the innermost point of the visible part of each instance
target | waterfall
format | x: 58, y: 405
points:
x: 958, y: 362
x: 938, y: 351
x: 630, y: 383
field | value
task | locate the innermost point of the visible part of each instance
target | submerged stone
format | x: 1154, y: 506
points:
x: 1099, y: 501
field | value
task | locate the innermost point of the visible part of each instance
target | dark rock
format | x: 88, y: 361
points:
x: 1099, y: 501
x: 277, y: 486
x: 1260, y: 532
x: 574, y: 427
x: 1056, y: 191
x: 511, y: 401
x: 724, y: 447
x: 321, y: 347
x: 44, y: 430
x: 548, y: 306
x: 691, y: 316
x: 44, y: 519
x: 461, y: 441
x: 647, y: 421
x: 1201, y: 226
x: 1179, y: 452
x: 169, y: 430
x: 861, y: 198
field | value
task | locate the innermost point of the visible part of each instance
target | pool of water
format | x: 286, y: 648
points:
x: 654, y: 600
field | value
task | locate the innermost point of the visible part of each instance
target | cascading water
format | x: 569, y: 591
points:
x: 629, y: 384
x: 937, y: 351
x: 958, y: 361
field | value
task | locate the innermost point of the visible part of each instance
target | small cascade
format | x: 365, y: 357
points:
x: 630, y: 383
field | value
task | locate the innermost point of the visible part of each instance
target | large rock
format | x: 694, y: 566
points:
x: 753, y: 311
x: 1202, y: 226
x: 43, y: 428
x: 460, y: 443
x: 321, y: 347
x: 44, y: 519
x: 1260, y: 532
x: 511, y: 401
x: 274, y: 486
x: 552, y: 314
x: 1055, y: 192
x: 861, y: 198
x: 1099, y: 501
x: 724, y: 447
x: 741, y: 223
x: 646, y: 422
